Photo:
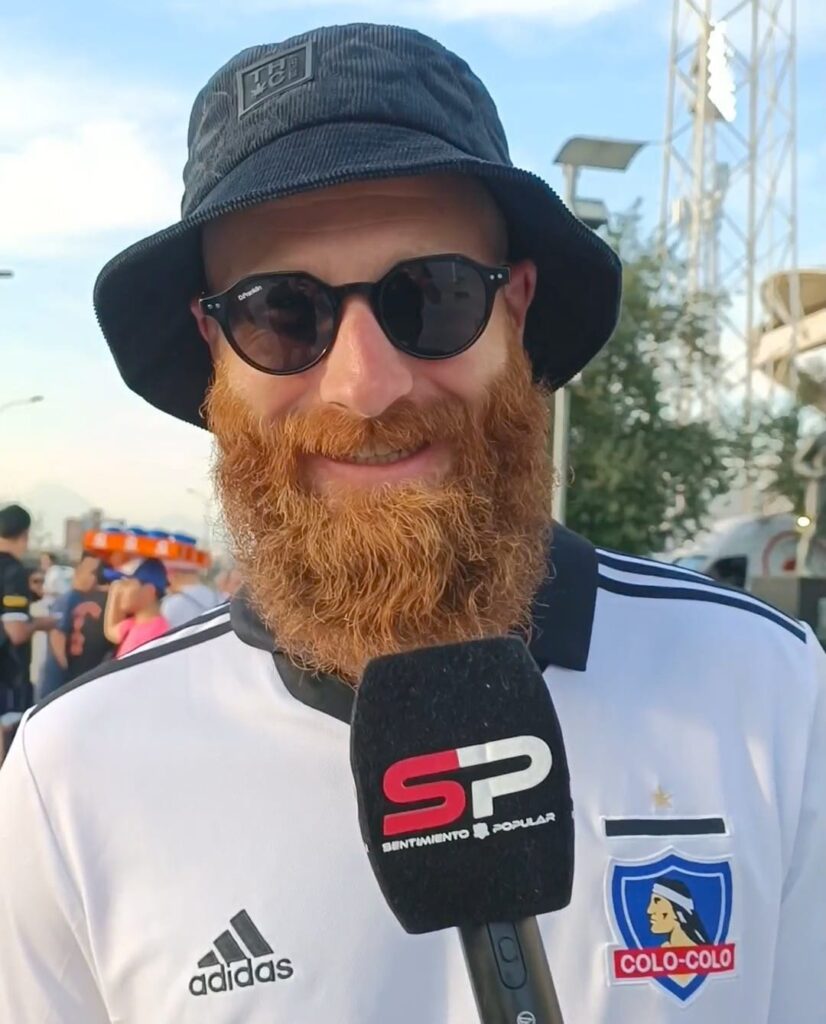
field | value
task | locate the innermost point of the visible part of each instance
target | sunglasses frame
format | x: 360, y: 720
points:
x: 217, y: 306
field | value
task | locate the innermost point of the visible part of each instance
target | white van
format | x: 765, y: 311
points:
x: 737, y: 549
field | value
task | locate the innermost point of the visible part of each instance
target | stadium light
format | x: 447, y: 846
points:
x: 720, y: 91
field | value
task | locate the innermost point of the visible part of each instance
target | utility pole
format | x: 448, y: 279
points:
x: 576, y: 153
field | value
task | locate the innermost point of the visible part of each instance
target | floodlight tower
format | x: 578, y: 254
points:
x: 729, y: 194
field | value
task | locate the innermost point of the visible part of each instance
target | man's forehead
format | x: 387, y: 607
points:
x: 458, y: 191
x: 442, y: 206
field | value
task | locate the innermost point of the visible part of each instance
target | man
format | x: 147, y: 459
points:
x: 382, y: 463
x: 86, y: 643
x: 38, y: 607
x: 47, y: 560
x: 78, y: 643
x: 16, y: 623
x: 57, y: 584
x: 133, y: 608
x: 188, y: 595
x: 47, y: 671
x: 36, y: 585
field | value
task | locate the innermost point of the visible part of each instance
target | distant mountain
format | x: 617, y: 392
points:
x: 47, y: 499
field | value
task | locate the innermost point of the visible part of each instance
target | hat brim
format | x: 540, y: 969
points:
x: 142, y: 296
x: 125, y: 572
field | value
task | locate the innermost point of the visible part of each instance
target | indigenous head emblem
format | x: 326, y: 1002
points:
x: 672, y: 915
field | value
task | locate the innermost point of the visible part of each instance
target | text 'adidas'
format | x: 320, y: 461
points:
x: 245, y: 958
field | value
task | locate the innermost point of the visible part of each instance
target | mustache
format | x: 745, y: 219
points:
x: 337, y: 433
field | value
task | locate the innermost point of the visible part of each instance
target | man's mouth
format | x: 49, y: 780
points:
x: 379, y: 463
x: 379, y: 455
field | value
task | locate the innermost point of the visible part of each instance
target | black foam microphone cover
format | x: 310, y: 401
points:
x: 463, y: 787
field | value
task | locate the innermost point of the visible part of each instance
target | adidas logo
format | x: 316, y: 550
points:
x: 232, y: 966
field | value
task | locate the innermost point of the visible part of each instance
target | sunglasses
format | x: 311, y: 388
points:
x: 431, y: 307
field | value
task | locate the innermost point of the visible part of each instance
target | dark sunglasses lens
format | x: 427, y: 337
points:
x: 282, y: 324
x: 433, y: 308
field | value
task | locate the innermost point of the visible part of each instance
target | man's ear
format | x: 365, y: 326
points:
x: 520, y: 290
x: 207, y: 328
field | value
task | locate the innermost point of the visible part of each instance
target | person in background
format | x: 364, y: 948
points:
x: 37, y: 583
x: 57, y: 582
x: 56, y: 587
x: 68, y: 643
x: 188, y: 595
x: 86, y: 643
x: 133, y: 608
x: 47, y: 560
x: 16, y: 623
x: 39, y: 604
x: 228, y: 582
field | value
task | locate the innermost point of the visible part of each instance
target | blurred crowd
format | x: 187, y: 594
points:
x: 60, y: 620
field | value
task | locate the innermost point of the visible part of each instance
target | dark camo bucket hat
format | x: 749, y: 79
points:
x: 339, y: 104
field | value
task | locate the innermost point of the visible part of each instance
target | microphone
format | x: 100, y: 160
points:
x: 465, y: 810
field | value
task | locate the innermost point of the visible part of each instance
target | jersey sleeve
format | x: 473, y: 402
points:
x: 14, y: 593
x: 46, y: 969
x: 799, y: 983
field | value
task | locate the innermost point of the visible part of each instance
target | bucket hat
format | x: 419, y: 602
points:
x: 339, y: 104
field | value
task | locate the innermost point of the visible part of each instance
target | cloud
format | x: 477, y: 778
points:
x: 97, y: 176
x: 558, y: 12
x: 565, y: 12
x: 71, y: 171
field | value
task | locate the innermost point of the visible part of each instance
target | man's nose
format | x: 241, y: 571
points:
x: 363, y: 372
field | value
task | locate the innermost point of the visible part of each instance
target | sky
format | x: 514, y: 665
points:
x: 94, y: 104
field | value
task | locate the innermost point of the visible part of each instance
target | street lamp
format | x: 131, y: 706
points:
x: 22, y: 401
x: 6, y: 273
x: 578, y: 152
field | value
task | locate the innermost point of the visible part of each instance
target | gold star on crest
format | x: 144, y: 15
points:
x: 661, y: 799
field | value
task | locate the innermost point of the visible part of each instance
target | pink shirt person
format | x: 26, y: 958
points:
x: 135, y: 633
x: 133, y: 608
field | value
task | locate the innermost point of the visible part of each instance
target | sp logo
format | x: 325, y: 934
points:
x: 405, y: 782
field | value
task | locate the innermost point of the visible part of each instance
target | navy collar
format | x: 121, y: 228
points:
x: 563, y: 617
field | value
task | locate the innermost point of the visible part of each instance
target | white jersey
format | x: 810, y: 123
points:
x: 179, y: 839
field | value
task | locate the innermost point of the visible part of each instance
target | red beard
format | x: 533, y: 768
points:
x: 396, y: 567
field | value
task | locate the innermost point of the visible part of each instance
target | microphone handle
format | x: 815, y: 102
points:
x: 509, y: 973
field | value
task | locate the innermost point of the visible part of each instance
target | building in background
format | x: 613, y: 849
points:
x: 75, y: 527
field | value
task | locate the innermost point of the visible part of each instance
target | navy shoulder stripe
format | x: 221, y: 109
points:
x: 150, y: 654
x: 710, y: 594
x: 650, y: 567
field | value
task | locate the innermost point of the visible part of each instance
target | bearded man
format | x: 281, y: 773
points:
x: 368, y: 305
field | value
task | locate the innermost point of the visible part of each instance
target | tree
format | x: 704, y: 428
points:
x: 648, y: 451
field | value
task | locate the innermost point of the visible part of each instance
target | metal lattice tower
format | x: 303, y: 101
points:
x: 729, y: 194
